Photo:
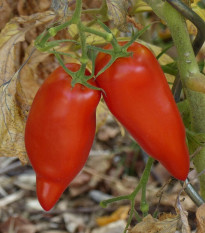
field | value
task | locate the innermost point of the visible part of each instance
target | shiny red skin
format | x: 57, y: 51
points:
x: 138, y: 95
x: 59, y: 133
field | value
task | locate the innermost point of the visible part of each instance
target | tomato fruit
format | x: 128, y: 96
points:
x: 138, y: 95
x: 59, y: 133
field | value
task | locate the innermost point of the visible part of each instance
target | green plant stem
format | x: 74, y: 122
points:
x: 137, y: 216
x: 77, y: 13
x: 71, y: 73
x: 43, y: 44
x: 186, y: 59
x: 143, y: 182
x: 102, y: 10
x: 105, y: 35
x: 42, y: 39
x: 84, y: 57
x: 74, y: 20
x: 144, y: 205
x: 142, y: 185
x: 192, y: 80
x: 62, y: 53
x: 132, y: 211
x: 91, y: 11
x: 189, y: 14
x: 195, y: 19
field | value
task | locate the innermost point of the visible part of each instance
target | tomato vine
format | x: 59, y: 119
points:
x: 189, y: 74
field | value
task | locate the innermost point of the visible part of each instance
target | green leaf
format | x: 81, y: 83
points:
x: 170, y: 68
x: 201, y: 66
x: 197, y: 138
x: 201, y: 4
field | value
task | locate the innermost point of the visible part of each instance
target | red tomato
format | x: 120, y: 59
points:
x: 137, y: 93
x: 59, y: 133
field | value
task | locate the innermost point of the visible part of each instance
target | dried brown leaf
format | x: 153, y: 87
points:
x: 14, y: 197
x: 106, y: 133
x: 102, y: 114
x: 18, y: 225
x: 12, y: 123
x: 80, y: 184
x: 164, y: 216
x: 5, y: 13
x: 124, y: 186
x: 73, y: 222
x: 120, y: 214
x: 200, y: 217
x: 13, y: 105
x: 114, y: 227
x: 184, y: 217
x: 80, y: 179
x: 152, y: 225
x: 53, y: 231
x: 117, y: 11
x: 60, y: 6
x: 31, y: 7
x: 29, y: 76
x: 100, y: 163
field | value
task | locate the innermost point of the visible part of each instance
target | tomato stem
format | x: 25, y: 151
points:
x: 131, y: 197
x: 84, y: 57
x: 101, y: 11
x: 77, y: 13
x: 71, y: 73
x: 44, y: 45
x: 105, y: 35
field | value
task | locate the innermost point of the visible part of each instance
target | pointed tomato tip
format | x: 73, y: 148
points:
x: 49, y: 192
x: 182, y: 178
x: 181, y: 174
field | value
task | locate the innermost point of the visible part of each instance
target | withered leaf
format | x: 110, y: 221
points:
x: 200, y: 217
x: 12, y: 118
x: 120, y: 214
x: 11, y: 121
x: 5, y: 13
x: 117, y: 11
x: 152, y: 225
x: 183, y: 215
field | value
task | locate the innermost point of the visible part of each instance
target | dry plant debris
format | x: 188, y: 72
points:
x: 105, y: 174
